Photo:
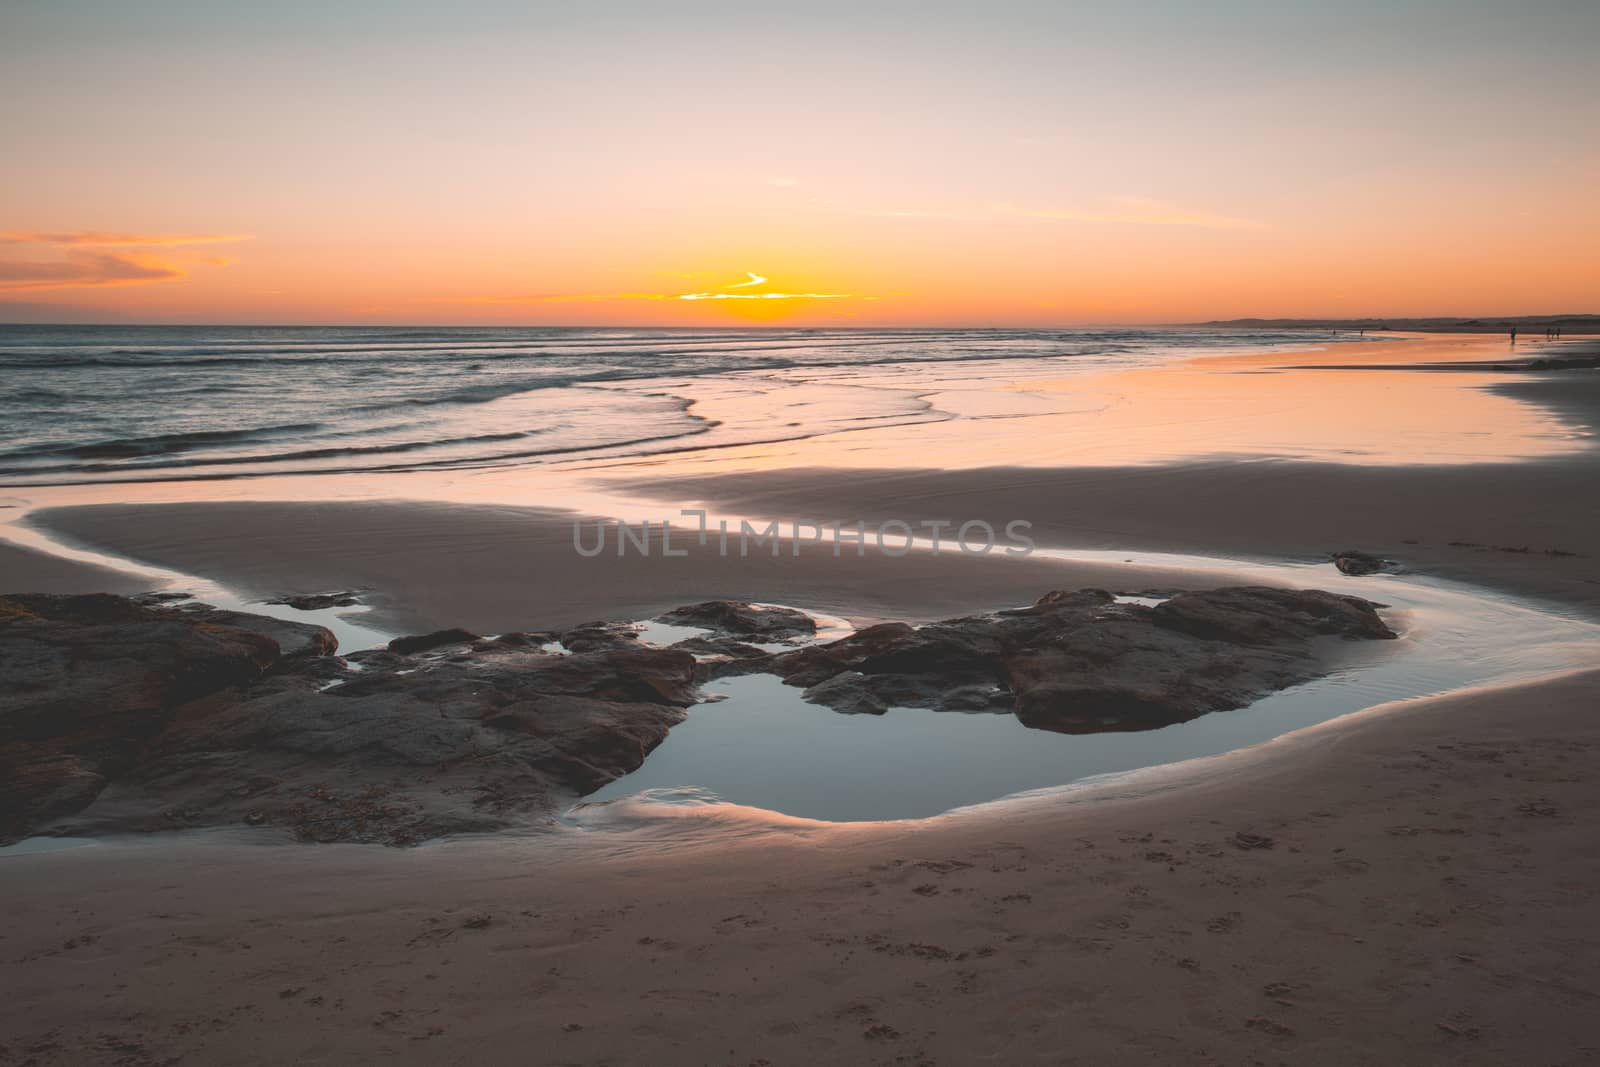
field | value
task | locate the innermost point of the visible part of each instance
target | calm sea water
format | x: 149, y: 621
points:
x: 101, y: 403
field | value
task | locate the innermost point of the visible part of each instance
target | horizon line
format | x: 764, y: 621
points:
x: 1369, y: 322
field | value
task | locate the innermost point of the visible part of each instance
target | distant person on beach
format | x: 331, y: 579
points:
x: 1513, y: 335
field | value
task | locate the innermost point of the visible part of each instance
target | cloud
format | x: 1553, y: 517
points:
x: 559, y: 298
x: 79, y: 263
x: 82, y: 270
x: 1137, y: 211
x: 721, y: 293
x: 99, y: 239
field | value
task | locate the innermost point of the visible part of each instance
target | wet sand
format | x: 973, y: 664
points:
x: 500, y: 569
x: 29, y: 570
x: 1413, y: 885
x: 1524, y: 528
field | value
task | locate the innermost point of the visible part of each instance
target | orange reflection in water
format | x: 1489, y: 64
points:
x: 1273, y: 405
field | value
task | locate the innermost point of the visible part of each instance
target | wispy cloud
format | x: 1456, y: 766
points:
x: 83, y: 270
x: 78, y: 263
x: 100, y: 239
x: 1132, y: 210
x: 1136, y: 211
x: 558, y: 298
x: 725, y: 292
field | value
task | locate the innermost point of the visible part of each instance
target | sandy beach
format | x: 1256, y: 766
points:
x: 781, y: 535
x: 1409, y: 884
x: 1415, y: 885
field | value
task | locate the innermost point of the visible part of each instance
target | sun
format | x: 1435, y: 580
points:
x: 754, y: 300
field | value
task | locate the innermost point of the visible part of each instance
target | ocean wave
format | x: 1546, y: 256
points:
x: 106, y: 403
x: 163, y: 444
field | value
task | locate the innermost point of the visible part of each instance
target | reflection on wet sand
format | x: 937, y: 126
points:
x: 1261, y: 405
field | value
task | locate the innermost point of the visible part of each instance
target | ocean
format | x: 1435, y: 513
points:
x: 135, y: 403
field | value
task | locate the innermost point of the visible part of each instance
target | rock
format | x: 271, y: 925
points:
x: 117, y: 716
x: 451, y: 745
x: 598, y: 636
x: 317, y: 601
x: 158, y: 598
x: 292, y: 638
x: 1077, y: 661
x: 720, y: 657
x: 423, y: 642
x: 1357, y: 564
x: 850, y: 692
x: 87, y: 682
x: 1263, y: 615
x: 763, y: 621
x: 194, y: 718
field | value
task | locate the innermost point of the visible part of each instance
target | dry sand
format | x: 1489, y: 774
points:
x: 1428, y: 895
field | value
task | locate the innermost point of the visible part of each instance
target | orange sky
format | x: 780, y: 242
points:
x: 1022, y: 164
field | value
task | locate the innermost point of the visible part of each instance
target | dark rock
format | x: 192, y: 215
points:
x: 448, y: 746
x: 317, y: 601
x: 199, y: 717
x: 722, y: 657
x: 1357, y: 564
x: 292, y: 638
x: 523, y: 640
x: 87, y: 682
x: 158, y: 598
x: 201, y: 722
x: 1078, y: 661
x: 764, y: 621
x: 600, y: 636
x: 423, y: 642
x: 1263, y: 615
x: 850, y: 692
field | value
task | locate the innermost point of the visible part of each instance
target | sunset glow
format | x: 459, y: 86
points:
x: 540, y: 168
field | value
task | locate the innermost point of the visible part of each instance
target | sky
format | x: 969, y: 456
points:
x: 888, y: 163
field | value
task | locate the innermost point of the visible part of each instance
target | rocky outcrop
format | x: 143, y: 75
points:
x: 88, y: 682
x: 123, y: 716
x: 1081, y: 661
x: 733, y: 618
x: 120, y: 717
x: 293, y: 639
